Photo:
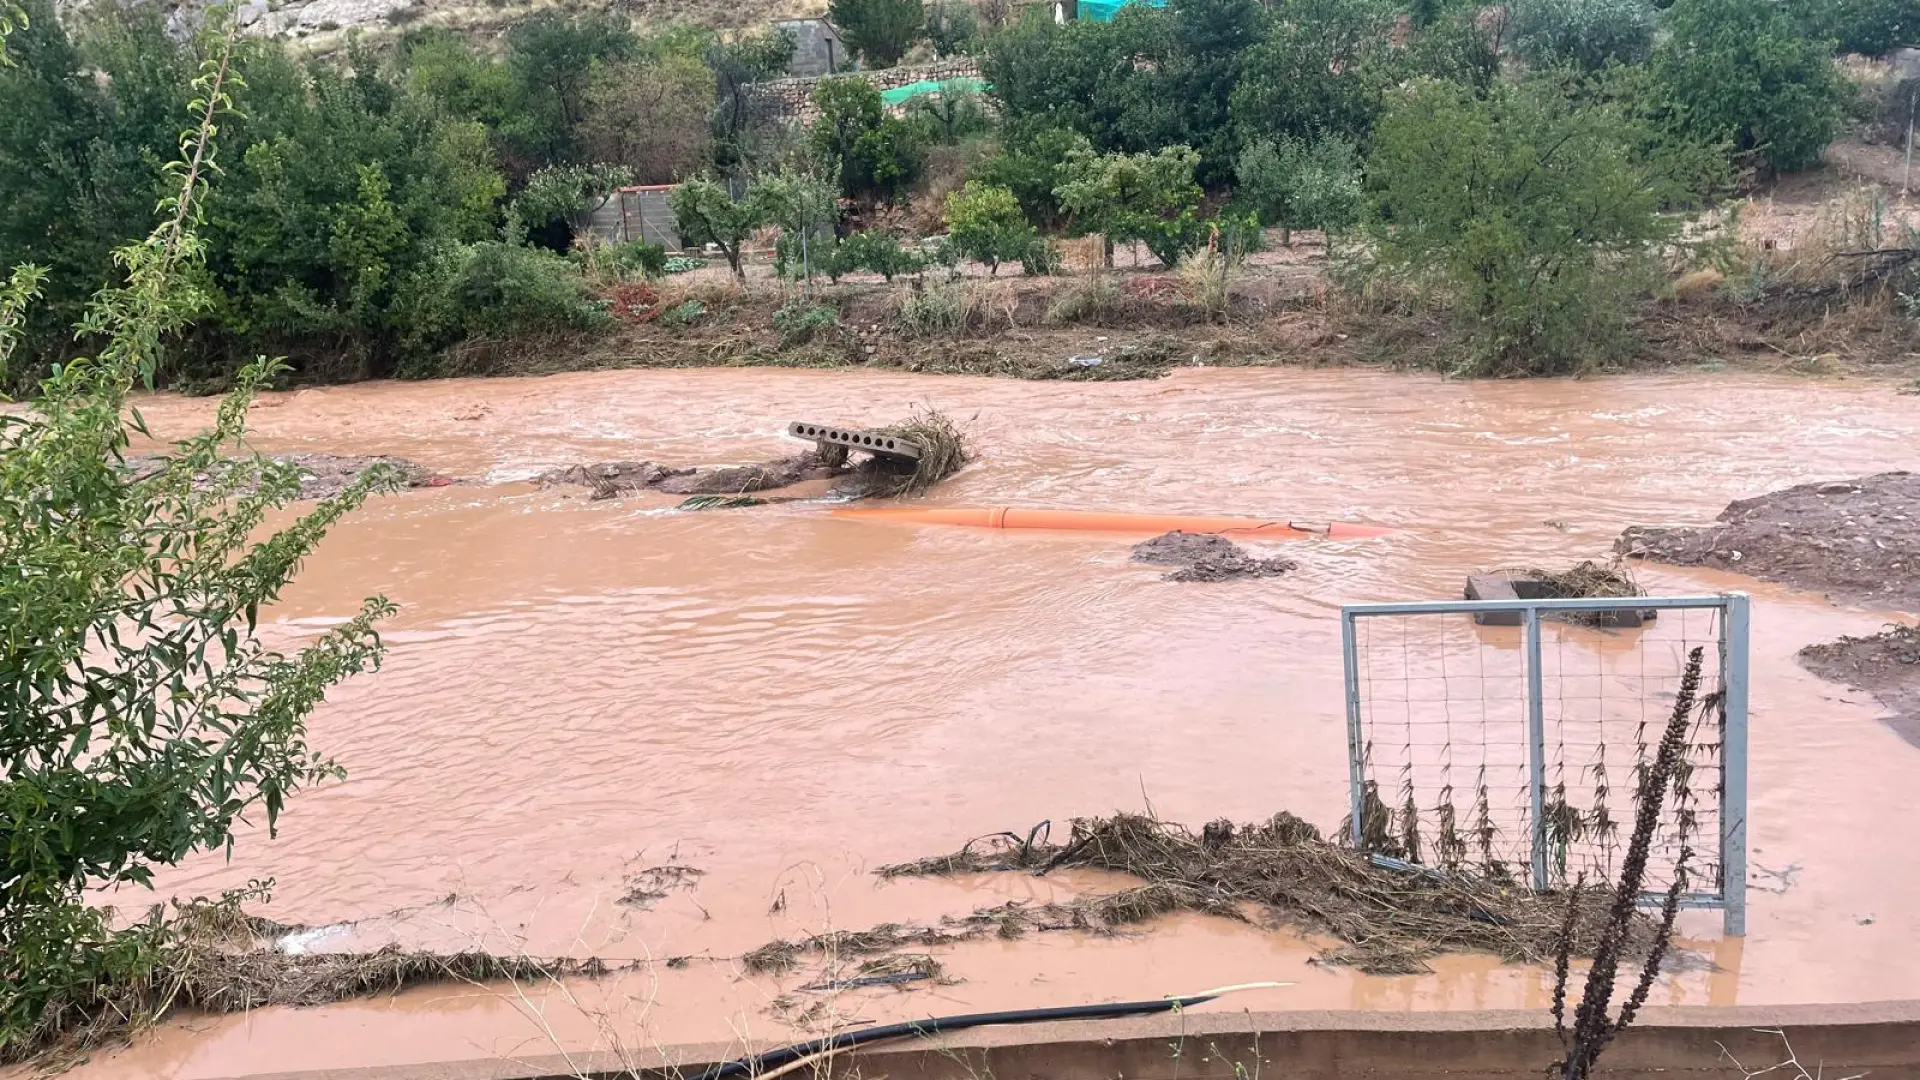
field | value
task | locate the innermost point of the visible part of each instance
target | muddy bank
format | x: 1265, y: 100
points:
x: 1858, y: 541
x: 1886, y: 665
x: 1204, y: 557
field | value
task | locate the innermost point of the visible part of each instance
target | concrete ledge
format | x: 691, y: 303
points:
x: 1880, y: 1038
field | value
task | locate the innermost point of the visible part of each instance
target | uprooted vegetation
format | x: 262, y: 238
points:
x: 1858, y: 541
x: 1886, y: 665
x: 1387, y: 921
x: 1205, y: 557
x: 211, y: 957
x: 943, y: 451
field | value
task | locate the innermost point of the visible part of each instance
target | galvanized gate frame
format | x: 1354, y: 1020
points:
x: 1734, y: 628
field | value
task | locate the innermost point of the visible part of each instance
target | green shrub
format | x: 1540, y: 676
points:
x: 685, y: 313
x: 494, y: 290
x: 1587, y: 33
x: 984, y: 223
x: 1870, y: 27
x: 1149, y: 198
x: 682, y: 264
x: 880, y: 31
x: 1032, y: 164
x: 1301, y: 185
x: 800, y: 323
x: 874, y: 154
x: 636, y: 256
x: 1042, y: 258
x: 933, y: 309
x: 1739, y: 72
x: 1473, y: 200
x: 569, y: 192
x: 951, y: 26
x: 879, y: 252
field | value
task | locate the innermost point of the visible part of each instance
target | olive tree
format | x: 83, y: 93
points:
x: 1529, y: 212
x: 142, y: 716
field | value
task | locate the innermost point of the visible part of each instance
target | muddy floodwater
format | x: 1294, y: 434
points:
x: 579, y: 690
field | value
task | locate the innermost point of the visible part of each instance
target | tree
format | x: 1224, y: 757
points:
x: 873, y: 154
x: 805, y: 208
x: 552, y: 58
x: 1301, y: 185
x: 707, y: 214
x: 1211, y: 39
x: 1324, y: 66
x: 1739, y: 72
x: 740, y: 120
x: 1869, y: 27
x: 880, y: 31
x: 1128, y: 198
x: 571, y: 192
x: 140, y: 714
x: 1587, y: 33
x: 951, y: 26
x: 651, y: 117
x: 985, y: 223
x: 1032, y: 164
x: 1532, y: 213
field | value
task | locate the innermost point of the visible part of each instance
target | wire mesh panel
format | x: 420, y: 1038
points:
x: 1514, y: 752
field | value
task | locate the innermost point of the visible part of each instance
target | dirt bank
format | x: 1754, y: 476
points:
x: 1205, y: 558
x: 1886, y: 665
x: 1858, y: 541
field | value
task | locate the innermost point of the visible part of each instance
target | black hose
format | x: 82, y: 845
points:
x: 756, y: 1064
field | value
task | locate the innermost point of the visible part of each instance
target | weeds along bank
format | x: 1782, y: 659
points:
x: 420, y: 203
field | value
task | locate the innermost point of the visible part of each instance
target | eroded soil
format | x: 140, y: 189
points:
x: 1205, y: 557
x: 1886, y: 665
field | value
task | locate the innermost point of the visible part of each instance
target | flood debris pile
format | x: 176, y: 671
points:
x: 1858, y: 541
x: 1205, y: 557
x: 1584, y: 580
x: 943, y: 451
x: 1387, y: 921
x: 323, y: 476
x: 213, y: 958
x: 1886, y: 665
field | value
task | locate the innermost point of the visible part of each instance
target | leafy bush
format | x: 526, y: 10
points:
x: 1739, y: 72
x: 493, y: 290
x: 933, y: 309
x: 141, y: 713
x: 800, y: 323
x: 1032, y: 164
x: 682, y: 264
x: 875, y: 155
x: 951, y: 26
x: 880, y: 31
x: 1474, y: 197
x: 634, y: 256
x: 1149, y: 198
x: 707, y: 214
x: 1587, y: 33
x: 877, y: 251
x: 570, y: 192
x: 1870, y: 27
x: 1300, y: 185
x: 985, y: 223
x: 685, y: 313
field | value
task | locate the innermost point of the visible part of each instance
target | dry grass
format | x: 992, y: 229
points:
x: 1388, y: 921
x: 943, y: 452
x: 213, y: 958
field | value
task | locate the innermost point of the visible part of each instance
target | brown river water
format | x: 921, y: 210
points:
x: 579, y: 690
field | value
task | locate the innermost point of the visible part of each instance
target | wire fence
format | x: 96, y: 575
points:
x: 1514, y: 752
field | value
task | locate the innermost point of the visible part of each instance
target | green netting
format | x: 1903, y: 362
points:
x: 900, y: 95
x: 1105, y: 10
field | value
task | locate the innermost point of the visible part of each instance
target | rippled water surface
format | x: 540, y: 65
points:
x: 578, y: 689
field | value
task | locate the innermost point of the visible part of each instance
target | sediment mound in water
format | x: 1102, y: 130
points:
x: 1388, y: 921
x: 1205, y: 557
x: 326, y: 475
x: 1886, y: 665
x: 1858, y: 541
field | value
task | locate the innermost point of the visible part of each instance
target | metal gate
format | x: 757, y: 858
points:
x: 1496, y: 750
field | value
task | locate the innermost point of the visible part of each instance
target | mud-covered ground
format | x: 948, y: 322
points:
x: 1202, y: 557
x: 1886, y: 665
x: 1857, y: 541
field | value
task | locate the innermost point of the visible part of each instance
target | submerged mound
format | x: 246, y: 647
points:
x: 1205, y: 557
x: 1388, y: 921
x: 1886, y: 665
x: 1858, y: 541
x: 325, y: 475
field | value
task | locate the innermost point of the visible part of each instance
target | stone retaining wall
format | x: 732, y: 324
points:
x: 792, y: 99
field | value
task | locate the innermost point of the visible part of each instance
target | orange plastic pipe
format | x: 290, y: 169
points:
x: 1003, y: 517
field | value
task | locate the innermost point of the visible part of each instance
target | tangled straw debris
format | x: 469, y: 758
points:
x: 1388, y: 921
x: 943, y: 452
x: 213, y: 958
